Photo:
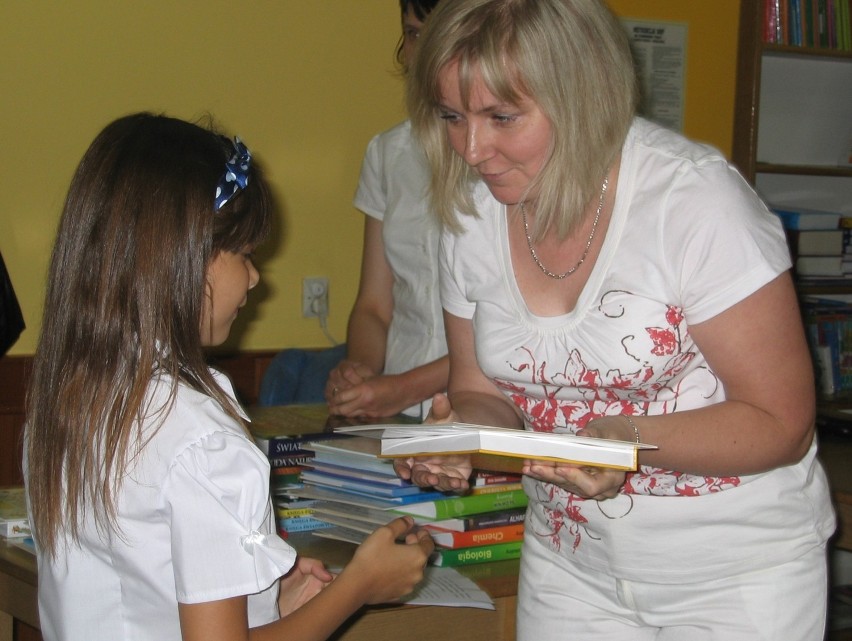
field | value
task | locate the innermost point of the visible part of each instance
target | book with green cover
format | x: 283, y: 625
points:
x: 456, y: 506
x: 481, y: 554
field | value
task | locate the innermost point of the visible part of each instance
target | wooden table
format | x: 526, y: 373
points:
x: 18, y: 600
x: 425, y: 623
x: 18, y: 579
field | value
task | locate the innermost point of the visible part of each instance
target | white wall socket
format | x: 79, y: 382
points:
x: 315, y: 296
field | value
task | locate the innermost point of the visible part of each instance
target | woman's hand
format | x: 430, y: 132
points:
x: 346, y: 375
x: 596, y: 483
x: 445, y: 473
x: 374, y: 397
x: 303, y: 582
x: 585, y: 480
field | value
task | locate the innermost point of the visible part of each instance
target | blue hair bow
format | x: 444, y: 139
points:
x: 236, y: 175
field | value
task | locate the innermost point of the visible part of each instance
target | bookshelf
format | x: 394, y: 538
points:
x: 793, y: 124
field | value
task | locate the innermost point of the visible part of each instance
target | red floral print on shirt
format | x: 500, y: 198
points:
x: 567, y: 395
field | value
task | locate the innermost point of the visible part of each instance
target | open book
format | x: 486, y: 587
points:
x: 462, y: 438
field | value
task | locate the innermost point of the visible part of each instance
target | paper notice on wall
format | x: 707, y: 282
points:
x: 659, y: 49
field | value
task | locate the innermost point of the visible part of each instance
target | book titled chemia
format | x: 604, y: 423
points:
x: 476, y: 538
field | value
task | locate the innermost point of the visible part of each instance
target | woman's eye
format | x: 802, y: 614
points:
x: 448, y: 116
x: 504, y: 118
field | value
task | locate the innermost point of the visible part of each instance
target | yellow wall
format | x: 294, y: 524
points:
x: 305, y: 83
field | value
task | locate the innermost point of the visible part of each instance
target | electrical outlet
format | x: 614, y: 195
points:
x: 315, y: 297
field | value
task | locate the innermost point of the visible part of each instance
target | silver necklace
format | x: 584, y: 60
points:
x: 544, y: 269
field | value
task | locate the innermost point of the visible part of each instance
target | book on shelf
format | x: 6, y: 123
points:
x: 14, y: 521
x: 819, y: 242
x: 451, y: 507
x: 455, y: 539
x: 828, y: 266
x: 463, y: 438
x: 822, y: 24
x: 805, y: 218
x: 480, y: 554
x: 828, y: 328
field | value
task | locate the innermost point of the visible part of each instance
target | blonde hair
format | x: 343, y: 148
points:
x: 571, y: 57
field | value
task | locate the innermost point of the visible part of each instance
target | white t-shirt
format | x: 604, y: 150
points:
x: 196, y: 525
x: 393, y: 188
x: 688, y: 238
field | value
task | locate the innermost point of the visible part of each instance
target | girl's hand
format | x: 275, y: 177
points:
x: 303, y: 582
x: 390, y: 570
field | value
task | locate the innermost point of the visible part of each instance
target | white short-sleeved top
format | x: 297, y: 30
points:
x: 688, y: 238
x: 393, y: 188
x: 196, y: 525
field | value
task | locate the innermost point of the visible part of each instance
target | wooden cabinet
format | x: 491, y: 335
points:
x: 793, y: 141
x: 793, y: 119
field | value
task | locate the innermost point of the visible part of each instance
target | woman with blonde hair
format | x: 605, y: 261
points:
x: 604, y: 276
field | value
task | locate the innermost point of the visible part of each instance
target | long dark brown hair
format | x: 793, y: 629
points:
x: 125, y: 295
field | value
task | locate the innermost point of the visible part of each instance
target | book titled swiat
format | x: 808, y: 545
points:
x: 462, y: 438
x: 480, y: 554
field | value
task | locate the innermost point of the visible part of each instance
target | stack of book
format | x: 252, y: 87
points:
x: 828, y: 324
x: 467, y: 529
x: 474, y: 528
x: 281, y: 434
x: 484, y: 525
x: 349, y: 467
x: 355, y: 490
x: 808, y: 23
x: 820, y: 244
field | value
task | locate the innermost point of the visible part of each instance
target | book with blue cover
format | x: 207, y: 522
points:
x: 802, y: 218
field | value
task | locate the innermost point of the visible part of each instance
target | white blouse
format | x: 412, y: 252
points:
x: 195, y: 525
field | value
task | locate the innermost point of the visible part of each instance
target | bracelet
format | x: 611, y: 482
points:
x: 633, y: 425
